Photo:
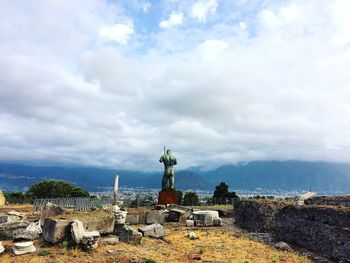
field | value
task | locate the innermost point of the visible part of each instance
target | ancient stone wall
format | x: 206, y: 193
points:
x: 322, y: 229
x: 329, y: 200
x: 256, y: 215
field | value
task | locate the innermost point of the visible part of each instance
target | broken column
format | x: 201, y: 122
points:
x: 116, y: 186
x: 23, y: 248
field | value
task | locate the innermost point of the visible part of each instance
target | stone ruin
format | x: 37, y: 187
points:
x: 318, y: 228
x: 2, y: 198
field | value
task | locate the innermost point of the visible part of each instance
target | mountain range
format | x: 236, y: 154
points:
x: 282, y: 175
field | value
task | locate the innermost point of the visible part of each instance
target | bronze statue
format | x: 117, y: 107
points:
x: 169, y: 161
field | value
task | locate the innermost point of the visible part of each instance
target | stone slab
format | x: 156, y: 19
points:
x: 49, y: 210
x: 154, y: 230
x: 130, y: 236
x: 10, y: 230
x: 154, y: 217
x: 132, y: 219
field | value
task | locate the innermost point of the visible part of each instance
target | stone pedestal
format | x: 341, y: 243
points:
x: 167, y: 197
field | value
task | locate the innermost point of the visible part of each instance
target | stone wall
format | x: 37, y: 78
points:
x: 329, y: 200
x: 256, y: 215
x: 322, y: 229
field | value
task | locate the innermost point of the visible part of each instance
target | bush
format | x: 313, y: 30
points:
x: 55, y: 189
x: 191, y: 198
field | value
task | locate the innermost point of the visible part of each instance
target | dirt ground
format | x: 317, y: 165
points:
x: 214, y: 244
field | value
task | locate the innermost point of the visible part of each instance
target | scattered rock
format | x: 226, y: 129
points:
x: 14, y: 216
x: 154, y: 230
x: 11, y: 230
x: 189, y: 223
x: 24, y: 248
x: 49, y: 210
x: 32, y: 232
x: 130, y: 236
x: 89, y: 240
x: 3, y: 218
x: 178, y: 212
x: 2, y: 249
x: 283, y: 246
x: 56, y: 230
x: 77, y: 231
x: 154, y: 217
x: 132, y: 219
x: 206, y: 218
x: 109, y: 251
x: 192, y: 236
x: 109, y: 241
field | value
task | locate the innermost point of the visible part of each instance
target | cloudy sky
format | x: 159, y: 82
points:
x: 108, y: 83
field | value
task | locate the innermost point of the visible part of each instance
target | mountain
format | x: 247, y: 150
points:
x: 18, y: 177
x: 283, y: 175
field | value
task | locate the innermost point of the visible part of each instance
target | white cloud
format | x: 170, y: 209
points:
x: 119, y: 33
x: 202, y: 9
x: 279, y: 89
x: 175, y: 19
x: 146, y: 7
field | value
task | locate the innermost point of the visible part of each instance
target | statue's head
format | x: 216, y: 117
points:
x: 168, y: 151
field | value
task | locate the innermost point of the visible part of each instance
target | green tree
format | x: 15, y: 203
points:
x: 179, y: 197
x: 222, y: 194
x: 191, y: 198
x: 55, y: 189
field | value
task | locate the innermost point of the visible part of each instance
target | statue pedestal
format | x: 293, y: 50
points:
x: 167, y: 197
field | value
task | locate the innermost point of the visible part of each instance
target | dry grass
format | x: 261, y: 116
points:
x: 213, y: 245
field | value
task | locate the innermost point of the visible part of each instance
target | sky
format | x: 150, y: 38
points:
x: 109, y: 83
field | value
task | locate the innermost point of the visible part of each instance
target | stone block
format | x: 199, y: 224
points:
x: 10, y: 230
x: 154, y: 230
x: 77, y: 231
x: 57, y: 230
x: 167, y: 197
x: 32, y: 232
x: 130, y: 236
x: 189, y: 223
x: 118, y: 229
x: 154, y: 217
x: 174, y: 216
x: 89, y: 240
x: 132, y: 219
x: 3, y: 218
x: 49, y: 210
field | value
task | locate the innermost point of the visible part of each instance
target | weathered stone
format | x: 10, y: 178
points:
x: 154, y: 217
x: 154, y: 230
x: 329, y: 200
x: 178, y: 212
x: 11, y: 230
x: 3, y: 218
x: 89, y: 240
x: 189, y: 223
x: 77, y: 231
x: 118, y: 229
x: 2, y: 249
x: 283, y: 246
x: 130, y: 236
x: 2, y: 198
x: 32, y: 232
x: 14, y: 216
x: 159, y: 207
x: 192, y: 235
x: 120, y: 215
x: 49, y: 210
x: 109, y: 241
x: 206, y: 218
x: 132, y: 219
x: 57, y: 230
x: 23, y: 248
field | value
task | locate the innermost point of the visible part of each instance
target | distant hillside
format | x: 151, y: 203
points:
x: 284, y: 175
x: 17, y: 177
